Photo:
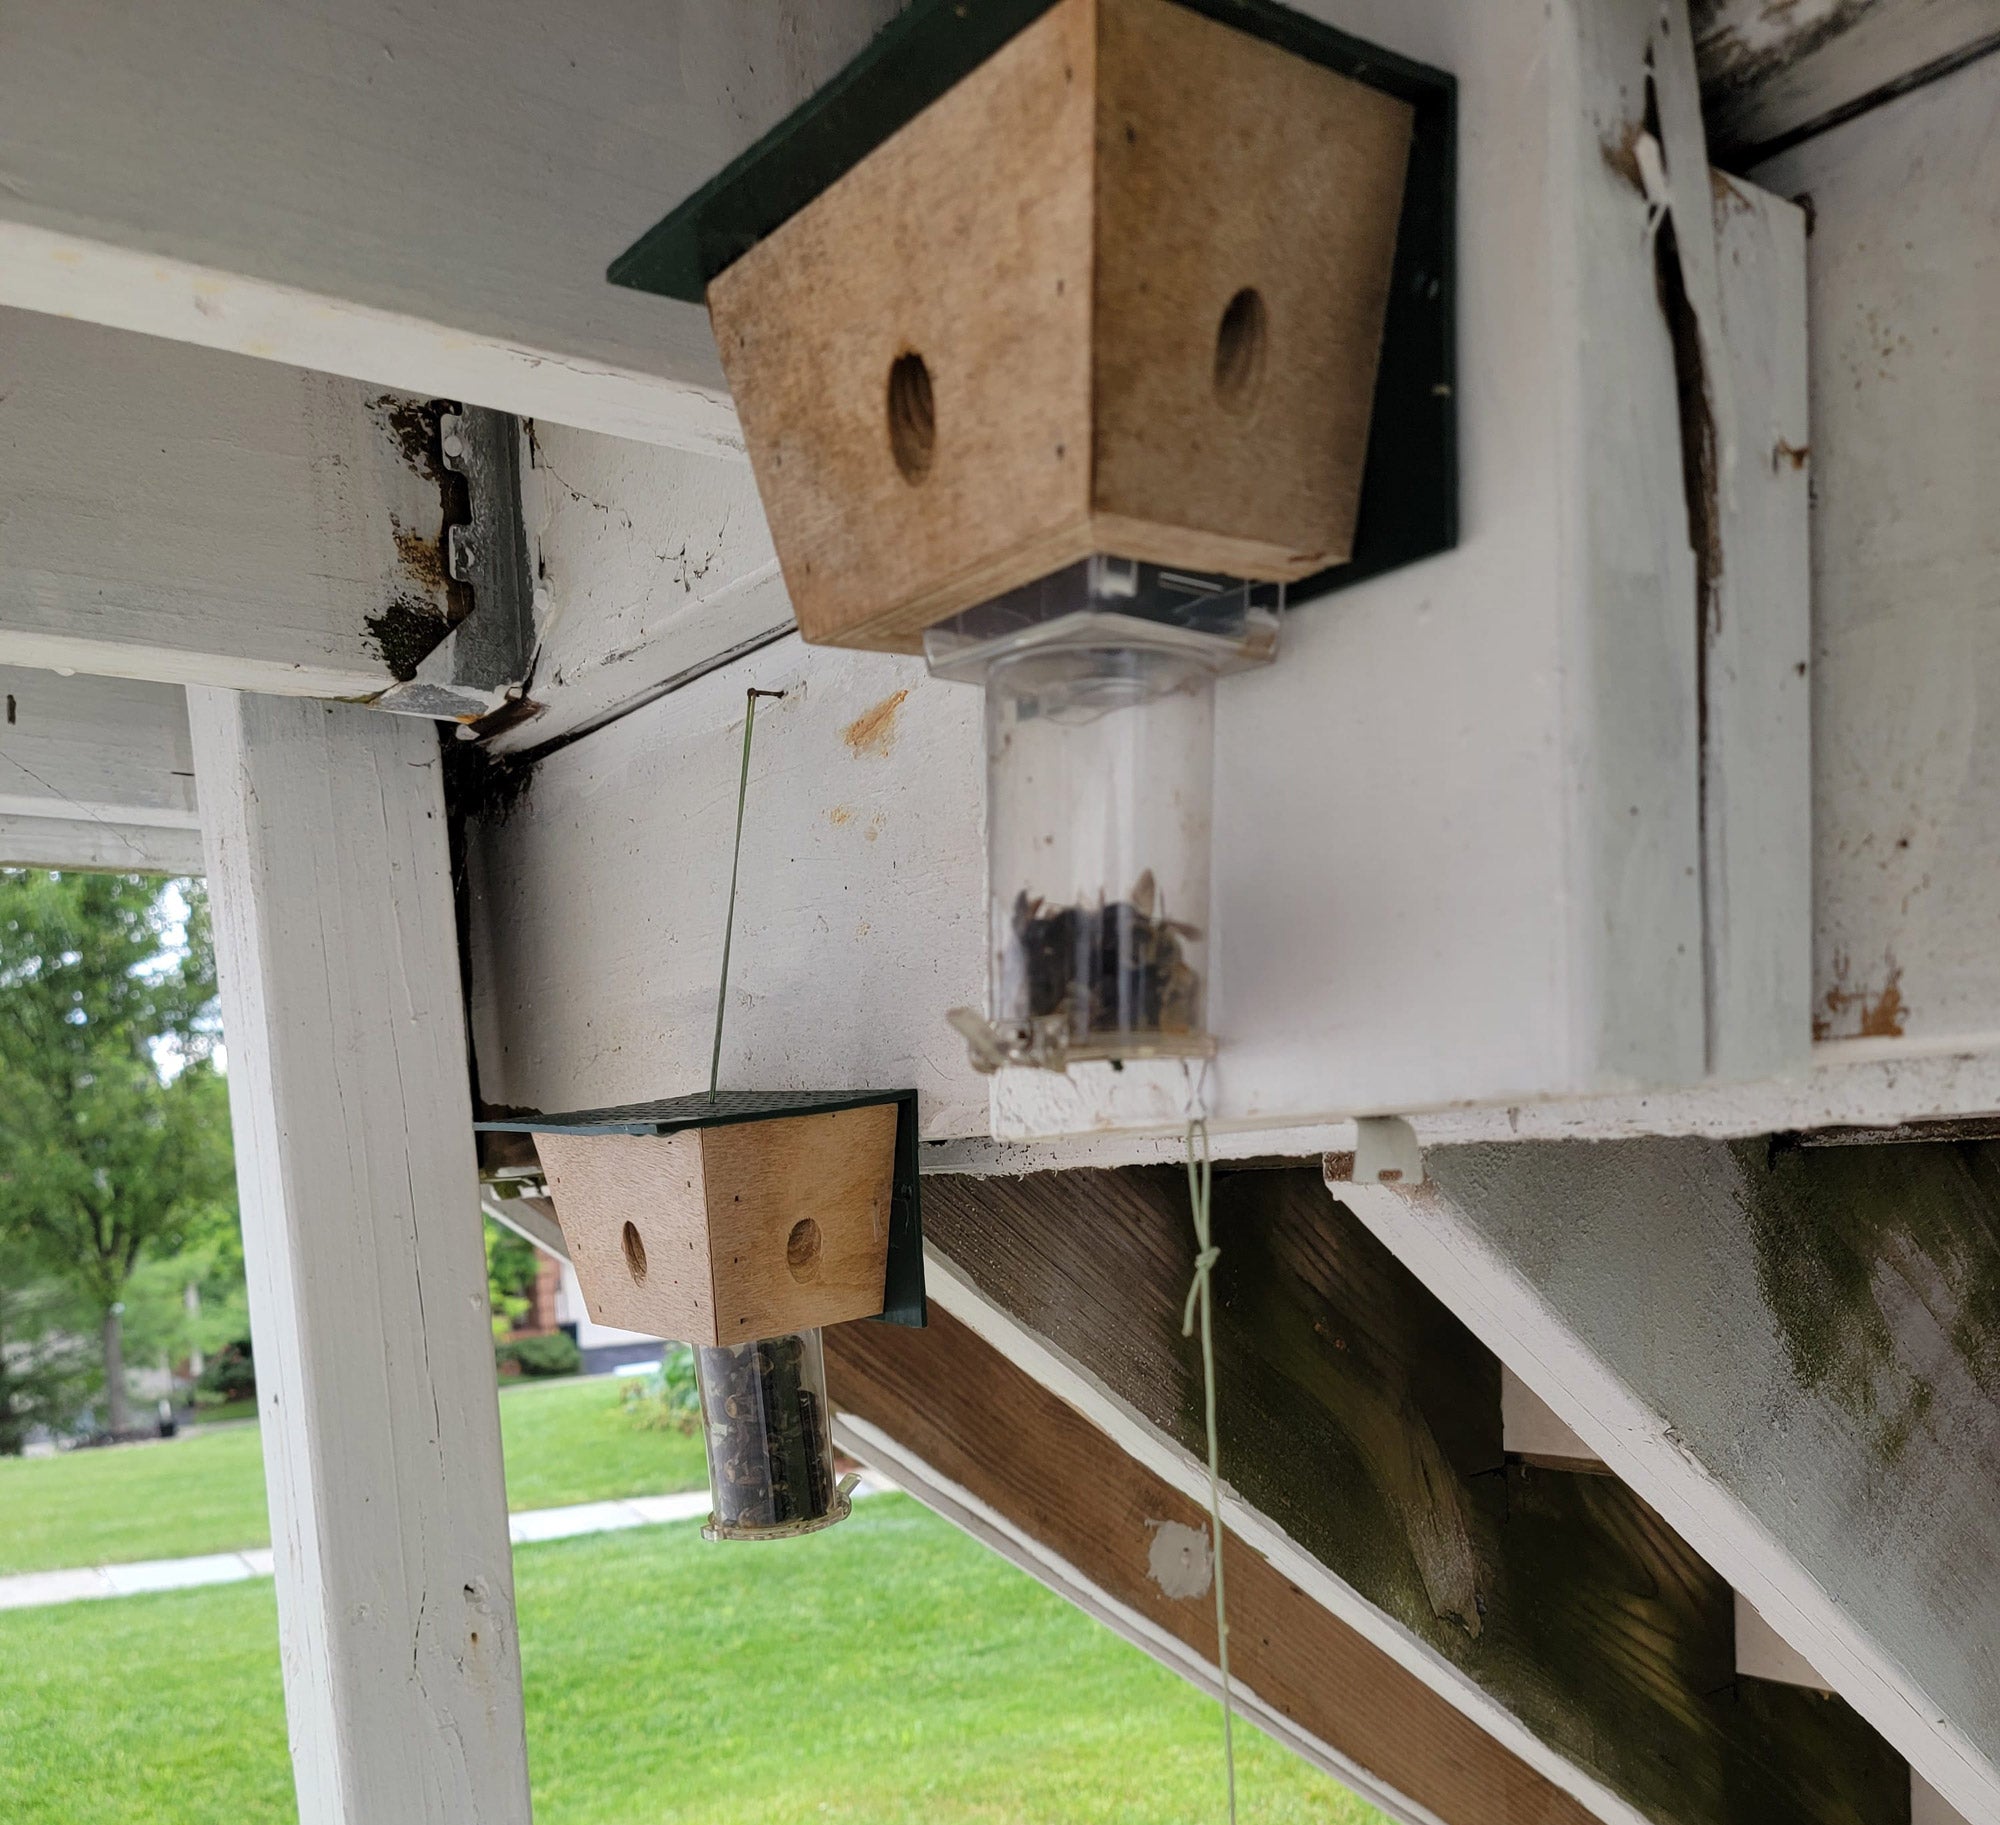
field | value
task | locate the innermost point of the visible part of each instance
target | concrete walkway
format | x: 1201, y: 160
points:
x: 32, y: 1590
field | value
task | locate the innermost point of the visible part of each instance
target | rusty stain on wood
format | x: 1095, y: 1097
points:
x: 874, y: 731
x: 420, y: 557
x: 1878, y: 1013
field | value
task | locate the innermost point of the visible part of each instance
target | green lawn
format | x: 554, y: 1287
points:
x: 888, y: 1670
x: 566, y: 1441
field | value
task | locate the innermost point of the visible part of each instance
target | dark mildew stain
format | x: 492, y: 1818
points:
x: 1880, y: 1265
x: 412, y: 426
x: 404, y: 632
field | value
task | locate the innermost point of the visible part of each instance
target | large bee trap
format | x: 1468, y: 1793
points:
x: 741, y: 1223
x: 1072, y: 341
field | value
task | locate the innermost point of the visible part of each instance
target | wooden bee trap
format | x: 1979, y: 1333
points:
x: 1065, y: 335
x: 741, y: 1223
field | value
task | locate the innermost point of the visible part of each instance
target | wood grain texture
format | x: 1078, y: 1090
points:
x: 975, y: 1418
x: 338, y: 956
x: 836, y: 1171
x: 1364, y: 1421
x: 714, y: 1211
x: 1057, y: 240
x: 194, y: 517
x: 1794, y: 1354
x: 1223, y: 166
x: 966, y: 239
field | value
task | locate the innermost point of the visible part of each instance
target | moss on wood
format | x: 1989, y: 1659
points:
x: 1852, y: 1241
x: 1363, y: 1419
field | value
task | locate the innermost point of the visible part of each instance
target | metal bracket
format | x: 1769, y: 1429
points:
x: 483, y: 662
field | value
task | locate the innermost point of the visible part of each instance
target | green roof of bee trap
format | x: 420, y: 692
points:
x: 903, y: 1299
x: 1409, y: 490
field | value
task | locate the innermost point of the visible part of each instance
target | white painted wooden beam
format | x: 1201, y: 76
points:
x: 196, y: 518
x: 421, y: 199
x: 95, y: 773
x: 1930, y: 1807
x: 1762, y: 1653
x: 652, y: 565
x: 338, y: 954
x: 1775, y: 70
x: 532, y: 1219
x: 1530, y: 1428
x: 1679, y: 1304
x: 1906, y: 645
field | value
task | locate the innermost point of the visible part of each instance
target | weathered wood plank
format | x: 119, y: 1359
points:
x: 964, y: 1412
x: 1756, y: 634
x: 421, y: 199
x: 1795, y: 1355
x: 338, y: 953
x: 191, y: 517
x: 95, y: 773
x: 654, y: 566
x: 1364, y: 1421
x: 1906, y: 647
x: 1776, y: 70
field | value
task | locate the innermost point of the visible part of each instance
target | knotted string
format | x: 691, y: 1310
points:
x: 1201, y: 1177
x: 735, y: 862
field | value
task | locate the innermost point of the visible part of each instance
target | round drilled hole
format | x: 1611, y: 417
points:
x: 802, y: 1250
x: 912, y: 417
x: 1239, y: 349
x: 635, y: 1252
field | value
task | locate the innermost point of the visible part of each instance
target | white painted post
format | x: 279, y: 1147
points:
x: 325, y: 840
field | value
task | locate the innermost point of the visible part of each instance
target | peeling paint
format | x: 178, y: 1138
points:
x: 874, y: 731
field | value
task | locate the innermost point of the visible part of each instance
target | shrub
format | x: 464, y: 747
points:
x: 555, y: 1354
x: 666, y: 1400
x: 231, y: 1374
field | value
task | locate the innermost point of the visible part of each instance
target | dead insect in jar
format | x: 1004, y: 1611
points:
x: 1114, y: 968
x: 766, y: 1435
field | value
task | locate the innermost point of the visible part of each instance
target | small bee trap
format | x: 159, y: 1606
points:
x: 741, y: 1223
x: 1073, y: 341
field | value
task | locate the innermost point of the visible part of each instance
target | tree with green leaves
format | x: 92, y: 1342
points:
x: 114, y: 1121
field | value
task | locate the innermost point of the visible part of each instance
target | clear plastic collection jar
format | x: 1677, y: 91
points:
x: 1100, y: 753
x: 770, y: 1442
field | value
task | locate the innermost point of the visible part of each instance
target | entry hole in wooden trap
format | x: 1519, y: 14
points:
x: 635, y: 1252
x: 1239, y: 349
x: 802, y: 1248
x: 912, y: 416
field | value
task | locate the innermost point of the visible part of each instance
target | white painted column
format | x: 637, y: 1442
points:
x: 324, y: 831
